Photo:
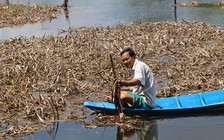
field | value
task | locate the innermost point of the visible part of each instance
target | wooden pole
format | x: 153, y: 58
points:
x: 115, y: 96
x: 7, y: 2
x: 114, y: 74
x: 175, y: 10
x: 65, y: 3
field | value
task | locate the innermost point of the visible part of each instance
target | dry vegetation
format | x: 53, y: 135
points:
x: 17, y: 14
x: 203, y: 4
x: 46, y: 79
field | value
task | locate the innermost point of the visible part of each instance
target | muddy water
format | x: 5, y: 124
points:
x: 186, y: 128
x: 107, y: 13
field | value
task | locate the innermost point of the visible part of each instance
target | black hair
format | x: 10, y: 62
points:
x: 129, y: 50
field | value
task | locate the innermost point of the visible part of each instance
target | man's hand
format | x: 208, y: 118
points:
x: 122, y: 83
x: 132, y: 82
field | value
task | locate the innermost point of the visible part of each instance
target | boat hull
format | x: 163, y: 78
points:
x: 198, y: 103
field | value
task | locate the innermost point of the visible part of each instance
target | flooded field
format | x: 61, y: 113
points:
x: 46, y: 78
x: 108, y: 13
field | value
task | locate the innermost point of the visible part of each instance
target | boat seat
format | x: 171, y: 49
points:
x: 191, y: 100
x: 213, y: 97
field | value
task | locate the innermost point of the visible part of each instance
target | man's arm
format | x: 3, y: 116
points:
x: 132, y: 82
x: 127, y: 88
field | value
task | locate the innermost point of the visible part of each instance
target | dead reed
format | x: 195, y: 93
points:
x: 43, y: 79
x: 18, y: 14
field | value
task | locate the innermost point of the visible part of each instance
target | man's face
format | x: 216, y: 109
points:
x: 127, y: 60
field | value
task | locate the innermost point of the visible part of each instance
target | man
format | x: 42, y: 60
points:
x: 141, y: 91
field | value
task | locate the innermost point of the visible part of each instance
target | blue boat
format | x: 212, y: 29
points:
x: 188, y: 104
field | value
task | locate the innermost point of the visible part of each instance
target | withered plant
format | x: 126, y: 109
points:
x: 43, y: 79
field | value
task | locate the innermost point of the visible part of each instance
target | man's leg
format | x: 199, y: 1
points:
x: 127, y: 100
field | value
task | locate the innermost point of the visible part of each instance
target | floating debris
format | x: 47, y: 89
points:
x: 18, y: 14
x: 201, y: 4
x: 44, y: 79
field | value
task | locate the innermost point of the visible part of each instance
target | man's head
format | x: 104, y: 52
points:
x: 128, y: 57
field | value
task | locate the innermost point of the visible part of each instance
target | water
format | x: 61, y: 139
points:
x: 186, y: 128
x: 111, y: 12
x: 108, y: 13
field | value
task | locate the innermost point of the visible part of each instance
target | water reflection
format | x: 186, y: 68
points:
x: 53, y: 129
x: 145, y: 131
x: 184, y: 128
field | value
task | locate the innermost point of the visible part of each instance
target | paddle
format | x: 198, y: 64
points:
x: 114, y: 74
x: 115, y: 96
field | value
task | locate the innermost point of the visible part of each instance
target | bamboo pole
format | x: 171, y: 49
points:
x: 115, y: 96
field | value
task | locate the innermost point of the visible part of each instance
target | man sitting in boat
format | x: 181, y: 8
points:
x: 141, y: 90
